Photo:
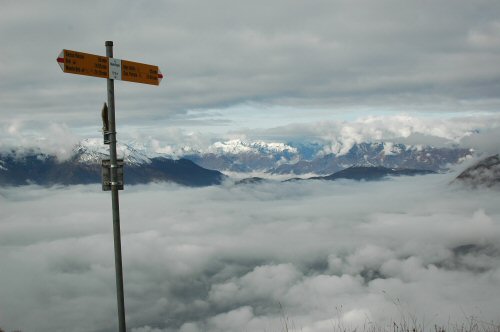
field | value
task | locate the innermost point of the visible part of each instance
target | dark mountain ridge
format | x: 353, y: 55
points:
x: 365, y: 173
x: 484, y: 173
x: 358, y: 173
x: 46, y: 170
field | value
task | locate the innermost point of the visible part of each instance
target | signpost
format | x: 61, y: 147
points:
x: 112, y: 69
x: 80, y: 63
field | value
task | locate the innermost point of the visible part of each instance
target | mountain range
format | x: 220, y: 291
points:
x: 311, y: 158
x: 18, y: 167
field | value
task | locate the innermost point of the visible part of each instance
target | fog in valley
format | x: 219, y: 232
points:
x: 307, y: 255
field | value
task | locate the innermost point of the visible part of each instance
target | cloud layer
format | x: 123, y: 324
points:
x: 479, y: 132
x: 312, y: 255
x: 430, y: 55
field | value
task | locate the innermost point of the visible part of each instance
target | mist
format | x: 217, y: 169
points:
x: 312, y: 255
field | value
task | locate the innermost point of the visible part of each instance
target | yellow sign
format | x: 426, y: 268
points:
x: 84, y: 64
x: 140, y: 73
x: 100, y: 66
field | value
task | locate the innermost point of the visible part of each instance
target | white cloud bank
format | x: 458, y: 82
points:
x: 479, y: 131
x: 312, y: 255
x: 50, y: 138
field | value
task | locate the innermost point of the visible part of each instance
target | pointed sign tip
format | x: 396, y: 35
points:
x: 60, y: 60
x: 160, y: 76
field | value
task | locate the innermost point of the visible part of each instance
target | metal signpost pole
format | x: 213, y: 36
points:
x: 114, y: 196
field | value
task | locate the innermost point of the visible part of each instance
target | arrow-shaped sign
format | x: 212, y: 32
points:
x: 100, y: 66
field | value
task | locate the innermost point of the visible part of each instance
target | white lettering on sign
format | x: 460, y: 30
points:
x: 115, y: 69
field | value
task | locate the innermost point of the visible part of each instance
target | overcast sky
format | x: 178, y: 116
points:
x: 256, y: 64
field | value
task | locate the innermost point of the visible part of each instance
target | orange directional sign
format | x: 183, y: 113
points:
x: 140, y: 73
x: 100, y: 66
x: 83, y: 63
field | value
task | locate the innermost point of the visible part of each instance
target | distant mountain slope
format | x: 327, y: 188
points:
x: 358, y: 173
x: 252, y: 180
x: 302, y: 158
x: 379, y: 154
x: 485, y: 173
x: 43, y: 169
x: 371, y: 173
x: 181, y: 171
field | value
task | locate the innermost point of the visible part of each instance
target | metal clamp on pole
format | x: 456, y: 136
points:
x: 106, y: 167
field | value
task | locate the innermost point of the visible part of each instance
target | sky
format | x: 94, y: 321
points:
x: 318, y: 256
x: 234, y: 68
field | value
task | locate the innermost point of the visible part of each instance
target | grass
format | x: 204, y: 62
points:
x: 406, y: 323
x: 471, y: 325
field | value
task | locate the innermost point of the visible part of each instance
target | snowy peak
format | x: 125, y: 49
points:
x: 92, y: 151
x: 382, y: 148
x: 238, y: 146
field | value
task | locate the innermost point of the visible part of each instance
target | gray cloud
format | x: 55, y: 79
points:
x: 479, y: 132
x: 217, y: 54
x: 312, y: 254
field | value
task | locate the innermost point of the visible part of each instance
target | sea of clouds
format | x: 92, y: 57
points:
x: 310, y: 256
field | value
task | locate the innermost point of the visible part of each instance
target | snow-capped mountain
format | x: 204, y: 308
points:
x: 294, y: 158
x: 387, y: 155
x: 304, y: 158
x: 245, y: 156
x: 84, y: 167
x: 92, y: 151
x: 238, y: 146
